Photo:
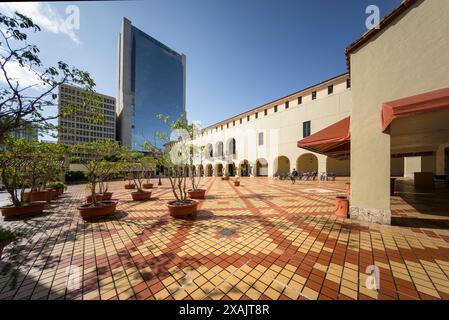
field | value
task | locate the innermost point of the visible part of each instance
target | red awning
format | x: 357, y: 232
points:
x: 333, y: 141
x: 420, y: 103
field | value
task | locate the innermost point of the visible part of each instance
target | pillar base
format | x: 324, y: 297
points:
x: 370, y: 215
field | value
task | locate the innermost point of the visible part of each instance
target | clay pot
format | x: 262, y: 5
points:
x: 141, y: 195
x: 341, y: 206
x: 44, y: 195
x: 107, y: 195
x: 130, y: 186
x: 147, y: 185
x: 105, y: 208
x: 196, y: 194
x: 236, y: 183
x: 180, y: 211
x: 98, y: 197
x: 224, y: 178
x: 60, y: 191
x: 23, y: 211
x: 3, y: 245
x: 53, y: 193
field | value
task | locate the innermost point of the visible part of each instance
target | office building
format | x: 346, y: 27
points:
x: 151, y: 81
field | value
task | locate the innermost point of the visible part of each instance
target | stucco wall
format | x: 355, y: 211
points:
x: 407, y: 58
x: 281, y: 129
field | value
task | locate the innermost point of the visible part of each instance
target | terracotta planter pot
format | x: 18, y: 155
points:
x: 179, y: 211
x: 147, y: 186
x: 224, y: 178
x: 60, y: 191
x: 3, y: 244
x: 44, y: 195
x: 141, y: 195
x: 236, y: 183
x: 23, y: 211
x: 341, y: 206
x: 130, y: 186
x: 106, y: 208
x: 107, y: 195
x: 53, y: 193
x: 348, y: 188
x: 98, y: 197
x: 196, y: 194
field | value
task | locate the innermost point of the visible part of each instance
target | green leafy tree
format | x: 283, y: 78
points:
x: 22, y: 104
x: 94, y: 156
x: 181, y: 154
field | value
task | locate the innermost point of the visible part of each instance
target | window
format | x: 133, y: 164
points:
x: 247, y: 118
x: 330, y: 89
x: 256, y: 115
x: 299, y: 100
x: 240, y: 120
x: 227, y: 125
x: 286, y: 104
x: 306, y: 129
x: 233, y: 123
x: 313, y: 95
x: 260, y: 138
x: 348, y: 83
x: 221, y: 127
x: 265, y: 112
x: 275, y: 108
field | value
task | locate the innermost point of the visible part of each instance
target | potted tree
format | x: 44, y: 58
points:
x: 226, y: 176
x: 175, y: 157
x: 196, y: 154
x: 16, y: 158
x: 59, y: 186
x: 130, y: 185
x: 93, y: 154
x: 106, y: 170
x: 138, y: 164
x: 98, y: 196
x: 53, y: 166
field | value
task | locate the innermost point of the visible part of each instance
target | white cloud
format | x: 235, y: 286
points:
x: 23, y: 75
x: 44, y: 16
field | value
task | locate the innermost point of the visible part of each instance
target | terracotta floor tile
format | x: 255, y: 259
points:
x: 266, y: 239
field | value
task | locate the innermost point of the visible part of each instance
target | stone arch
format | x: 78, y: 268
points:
x: 200, y: 170
x: 219, y: 150
x: 209, y: 151
x: 243, y: 168
x: 219, y: 169
x: 281, y: 166
x: 230, y: 168
x: 231, y: 147
x: 209, y: 170
x: 307, y: 162
x: 261, y: 168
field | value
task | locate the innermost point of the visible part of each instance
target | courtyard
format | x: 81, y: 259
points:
x: 266, y: 239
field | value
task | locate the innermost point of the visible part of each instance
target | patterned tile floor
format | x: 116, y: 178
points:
x: 266, y: 239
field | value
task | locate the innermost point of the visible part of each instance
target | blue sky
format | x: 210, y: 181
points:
x: 240, y: 54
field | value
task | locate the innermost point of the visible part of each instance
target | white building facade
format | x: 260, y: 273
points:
x: 263, y: 141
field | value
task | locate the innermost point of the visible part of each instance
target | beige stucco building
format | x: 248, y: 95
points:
x: 265, y: 137
x: 394, y: 95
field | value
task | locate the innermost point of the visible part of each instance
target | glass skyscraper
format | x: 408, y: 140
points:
x: 151, y: 81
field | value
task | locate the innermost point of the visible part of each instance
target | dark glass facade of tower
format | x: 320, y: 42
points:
x: 155, y: 85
